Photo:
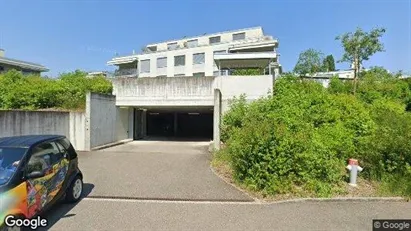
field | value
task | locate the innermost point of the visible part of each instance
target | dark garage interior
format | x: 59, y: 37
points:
x: 180, y: 124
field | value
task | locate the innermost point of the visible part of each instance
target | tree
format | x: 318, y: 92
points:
x: 359, y: 46
x: 309, y: 62
x: 329, y: 63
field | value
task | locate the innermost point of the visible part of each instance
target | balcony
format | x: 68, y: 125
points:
x: 263, y: 40
x: 129, y: 72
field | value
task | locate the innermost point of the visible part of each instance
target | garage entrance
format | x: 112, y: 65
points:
x: 180, y: 123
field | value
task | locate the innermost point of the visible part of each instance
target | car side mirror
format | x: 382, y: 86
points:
x: 35, y: 174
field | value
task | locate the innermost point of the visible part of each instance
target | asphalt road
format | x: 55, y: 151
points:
x: 156, y: 170
x: 93, y: 214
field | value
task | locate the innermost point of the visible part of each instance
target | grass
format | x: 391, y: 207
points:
x: 393, y: 186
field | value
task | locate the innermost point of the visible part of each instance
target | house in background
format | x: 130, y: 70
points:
x: 7, y: 64
x: 325, y: 77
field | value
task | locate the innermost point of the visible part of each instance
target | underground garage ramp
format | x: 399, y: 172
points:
x: 180, y: 124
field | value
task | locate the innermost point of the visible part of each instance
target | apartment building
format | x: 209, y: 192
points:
x: 25, y: 67
x: 201, y: 55
x: 182, y: 87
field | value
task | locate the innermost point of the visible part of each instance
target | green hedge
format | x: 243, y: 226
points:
x: 299, y: 140
x: 68, y: 91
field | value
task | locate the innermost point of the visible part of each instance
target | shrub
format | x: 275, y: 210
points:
x: 299, y: 139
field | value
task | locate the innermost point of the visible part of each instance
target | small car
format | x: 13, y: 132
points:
x: 36, y: 172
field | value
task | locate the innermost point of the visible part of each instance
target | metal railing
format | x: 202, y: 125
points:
x: 235, y: 43
x: 126, y: 72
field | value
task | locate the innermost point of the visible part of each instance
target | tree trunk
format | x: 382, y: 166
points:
x: 356, y: 71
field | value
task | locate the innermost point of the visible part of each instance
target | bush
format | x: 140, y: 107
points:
x: 34, y: 92
x: 298, y: 140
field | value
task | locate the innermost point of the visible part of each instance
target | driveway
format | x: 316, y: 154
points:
x: 166, y: 170
x: 104, y: 214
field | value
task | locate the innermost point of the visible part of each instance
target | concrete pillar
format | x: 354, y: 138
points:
x: 144, y: 123
x: 217, y: 119
x: 175, y: 123
x: 87, y: 140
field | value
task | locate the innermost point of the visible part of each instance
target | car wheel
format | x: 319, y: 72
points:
x: 75, y: 190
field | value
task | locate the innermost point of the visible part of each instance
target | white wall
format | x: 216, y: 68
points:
x: 188, y: 91
x: 78, y: 130
x: 203, y: 47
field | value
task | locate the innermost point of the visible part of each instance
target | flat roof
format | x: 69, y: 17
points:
x: 205, y: 34
x: 23, y: 64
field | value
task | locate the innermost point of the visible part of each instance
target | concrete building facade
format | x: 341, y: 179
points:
x: 183, y: 87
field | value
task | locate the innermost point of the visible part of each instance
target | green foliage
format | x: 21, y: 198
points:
x: 299, y: 139
x: 329, y: 63
x: 360, y: 45
x: 309, y: 62
x: 34, y: 92
x: 250, y: 71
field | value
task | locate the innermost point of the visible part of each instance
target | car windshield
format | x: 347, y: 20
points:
x: 9, y: 161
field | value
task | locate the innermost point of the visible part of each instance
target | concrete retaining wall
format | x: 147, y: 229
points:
x: 69, y: 124
x: 14, y: 123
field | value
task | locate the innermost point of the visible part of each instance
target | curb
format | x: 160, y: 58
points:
x: 111, y: 145
x: 339, y: 199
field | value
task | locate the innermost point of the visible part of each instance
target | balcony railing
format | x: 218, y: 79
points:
x: 130, y: 72
x: 238, y: 42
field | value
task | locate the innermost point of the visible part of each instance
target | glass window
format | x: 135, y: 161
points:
x: 239, y: 36
x: 215, y: 39
x: 199, y: 74
x: 43, y: 157
x: 192, y: 43
x: 179, y: 75
x: 198, y: 58
x: 216, y: 73
x: 9, y: 161
x: 172, y: 46
x: 180, y: 60
x: 145, y: 66
x: 162, y: 62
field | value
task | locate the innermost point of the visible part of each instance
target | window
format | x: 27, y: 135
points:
x: 162, y: 62
x: 215, y: 39
x: 44, y: 156
x: 179, y: 60
x: 199, y: 74
x: 1, y: 69
x: 172, y: 46
x: 216, y: 73
x: 67, y: 145
x: 145, y: 66
x: 161, y: 76
x: 198, y: 58
x: 192, y: 43
x: 239, y: 36
x: 179, y: 75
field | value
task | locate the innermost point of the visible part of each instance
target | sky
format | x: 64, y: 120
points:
x: 65, y: 35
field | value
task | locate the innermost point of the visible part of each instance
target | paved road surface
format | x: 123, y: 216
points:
x: 91, y: 214
x: 157, y: 170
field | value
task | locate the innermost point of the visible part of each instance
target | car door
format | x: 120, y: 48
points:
x: 60, y: 164
x: 38, y: 188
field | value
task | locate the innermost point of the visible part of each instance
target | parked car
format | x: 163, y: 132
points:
x: 36, y: 172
